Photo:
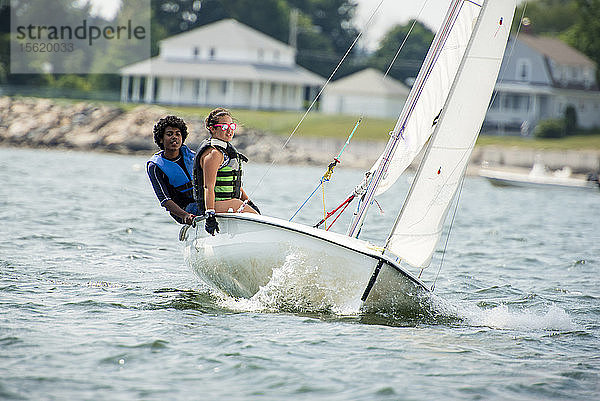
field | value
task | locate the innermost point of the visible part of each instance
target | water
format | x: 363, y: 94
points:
x: 97, y: 304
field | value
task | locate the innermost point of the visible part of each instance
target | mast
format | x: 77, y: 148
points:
x: 397, y: 133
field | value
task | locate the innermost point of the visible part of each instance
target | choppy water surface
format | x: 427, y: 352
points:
x: 96, y: 303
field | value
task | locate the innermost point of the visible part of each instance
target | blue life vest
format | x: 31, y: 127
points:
x: 177, y: 177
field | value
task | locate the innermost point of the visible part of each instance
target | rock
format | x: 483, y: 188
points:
x: 44, y: 122
x: 81, y: 140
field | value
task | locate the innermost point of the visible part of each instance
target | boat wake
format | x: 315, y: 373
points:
x: 504, y: 317
x: 553, y: 318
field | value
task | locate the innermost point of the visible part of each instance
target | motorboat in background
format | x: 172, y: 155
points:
x: 539, y: 176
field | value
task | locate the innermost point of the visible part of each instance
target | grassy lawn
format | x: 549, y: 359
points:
x: 591, y: 142
x: 315, y: 125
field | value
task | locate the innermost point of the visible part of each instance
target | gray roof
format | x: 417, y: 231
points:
x: 557, y: 50
x: 215, y: 70
x: 369, y: 81
x: 227, y: 33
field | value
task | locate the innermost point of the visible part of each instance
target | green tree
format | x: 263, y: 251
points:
x: 584, y: 35
x: 332, y: 18
x: 171, y: 17
x: 325, y: 33
x: 4, y: 42
x: 412, y: 54
x: 546, y: 17
x: 69, y: 14
x: 570, y: 120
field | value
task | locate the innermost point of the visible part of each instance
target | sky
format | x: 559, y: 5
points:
x: 390, y: 13
x: 394, y: 12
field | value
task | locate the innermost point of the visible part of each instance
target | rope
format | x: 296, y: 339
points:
x: 319, y: 94
x: 405, y: 39
x: 512, y: 49
x: 340, y: 213
x: 344, y: 203
x: 327, y: 176
x: 307, y: 199
x: 448, y: 236
x: 324, y: 207
x: 349, y: 138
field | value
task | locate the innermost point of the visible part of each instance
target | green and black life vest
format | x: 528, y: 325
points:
x: 229, y: 175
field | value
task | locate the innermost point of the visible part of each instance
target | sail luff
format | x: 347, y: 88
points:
x: 419, y: 224
x: 407, y: 111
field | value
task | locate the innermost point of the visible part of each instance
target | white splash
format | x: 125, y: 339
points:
x: 503, y: 317
x: 303, y: 284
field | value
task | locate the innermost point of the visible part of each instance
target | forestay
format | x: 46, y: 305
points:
x: 419, y: 225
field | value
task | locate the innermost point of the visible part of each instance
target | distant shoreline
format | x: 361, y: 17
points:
x: 44, y: 123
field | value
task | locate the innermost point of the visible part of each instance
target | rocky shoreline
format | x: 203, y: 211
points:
x: 45, y: 123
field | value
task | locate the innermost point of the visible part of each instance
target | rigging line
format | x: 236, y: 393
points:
x: 510, y: 54
x: 339, y: 214
x: 350, y: 137
x: 337, y: 67
x: 462, y: 181
x: 324, y: 206
x: 473, y: 145
x: 307, y: 199
x: 327, y: 176
x: 344, y: 204
x: 405, y: 39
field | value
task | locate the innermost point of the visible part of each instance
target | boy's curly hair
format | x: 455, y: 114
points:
x: 168, y: 121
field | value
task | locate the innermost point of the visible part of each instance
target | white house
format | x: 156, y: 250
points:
x: 367, y: 92
x: 538, y: 81
x: 225, y: 64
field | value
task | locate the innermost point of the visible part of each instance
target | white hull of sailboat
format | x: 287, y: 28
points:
x: 306, y: 265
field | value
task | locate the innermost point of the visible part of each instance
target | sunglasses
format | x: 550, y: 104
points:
x: 225, y: 126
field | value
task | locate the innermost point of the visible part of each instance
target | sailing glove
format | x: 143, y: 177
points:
x: 190, y: 219
x: 253, y: 206
x: 211, y: 226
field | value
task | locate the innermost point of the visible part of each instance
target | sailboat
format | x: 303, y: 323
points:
x: 442, y: 118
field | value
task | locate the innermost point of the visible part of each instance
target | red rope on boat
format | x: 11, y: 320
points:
x: 334, y: 220
x: 346, y: 203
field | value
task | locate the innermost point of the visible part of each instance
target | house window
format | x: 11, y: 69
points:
x: 507, y: 102
x: 495, y: 102
x: 516, y: 102
x: 563, y: 75
x: 524, y: 70
x: 212, y: 53
x: 525, y: 102
x: 196, y: 88
x: 587, y: 77
x: 224, y: 86
x: 196, y: 52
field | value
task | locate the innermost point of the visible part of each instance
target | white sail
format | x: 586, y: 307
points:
x: 427, y: 100
x: 419, y: 224
x: 424, y: 104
